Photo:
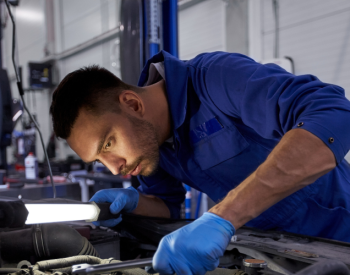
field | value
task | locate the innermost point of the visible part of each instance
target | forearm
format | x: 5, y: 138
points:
x: 151, y: 206
x: 297, y: 161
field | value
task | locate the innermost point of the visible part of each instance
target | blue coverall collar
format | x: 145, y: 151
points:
x: 176, y: 84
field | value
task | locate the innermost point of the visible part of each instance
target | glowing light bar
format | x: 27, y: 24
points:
x: 17, y: 115
x: 46, y: 213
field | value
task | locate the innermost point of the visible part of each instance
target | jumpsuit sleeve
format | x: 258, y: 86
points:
x: 272, y: 101
x: 165, y: 187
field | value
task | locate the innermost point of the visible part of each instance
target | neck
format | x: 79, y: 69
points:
x: 158, y: 108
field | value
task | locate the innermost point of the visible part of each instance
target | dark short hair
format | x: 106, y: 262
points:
x: 91, y: 87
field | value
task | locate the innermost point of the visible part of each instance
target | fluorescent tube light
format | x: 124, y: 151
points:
x: 46, y: 213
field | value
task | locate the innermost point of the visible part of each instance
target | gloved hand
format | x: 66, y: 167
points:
x: 125, y: 199
x: 194, y: 248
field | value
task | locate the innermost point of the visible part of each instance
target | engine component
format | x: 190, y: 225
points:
x: 326, y: 267
x: 9, y: 270
x: 58, y: 266
x: 64, y: 266
x: 24, y: 264
x: 254, y: 266
x: 44, y: 241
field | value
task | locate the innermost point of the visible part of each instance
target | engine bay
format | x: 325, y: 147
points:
x: 82, y: 248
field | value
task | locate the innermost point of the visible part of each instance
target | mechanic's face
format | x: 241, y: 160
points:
x: 123, y: 143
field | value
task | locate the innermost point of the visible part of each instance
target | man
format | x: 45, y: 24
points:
x: 266, y: 145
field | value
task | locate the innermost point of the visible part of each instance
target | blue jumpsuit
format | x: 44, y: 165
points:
x: 228, y: 113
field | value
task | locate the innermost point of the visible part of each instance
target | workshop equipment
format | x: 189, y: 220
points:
x: 46, y: 213
x: 16, y: 213
x: 21, y: 92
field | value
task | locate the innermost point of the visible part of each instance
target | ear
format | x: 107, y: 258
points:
x: 131, y: 102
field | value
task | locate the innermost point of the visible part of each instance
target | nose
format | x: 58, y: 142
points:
x: 113, y: 163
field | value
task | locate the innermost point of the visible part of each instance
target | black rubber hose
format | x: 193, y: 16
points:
x: 88, y: 249
x: 13, y: 214
x: 16, y: 245
x: 62, y: 241
x: 326, y: 267
x: 45, y: 241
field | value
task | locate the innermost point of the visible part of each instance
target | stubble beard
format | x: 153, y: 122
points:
x: 147, y: 144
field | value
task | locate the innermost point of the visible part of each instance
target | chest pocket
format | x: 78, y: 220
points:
x: 218, y: 147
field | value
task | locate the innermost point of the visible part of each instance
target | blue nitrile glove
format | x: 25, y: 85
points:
x: 194, y: 248
x: 125, y: 199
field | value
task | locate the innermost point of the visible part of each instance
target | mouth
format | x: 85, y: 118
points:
x: 136, y: 171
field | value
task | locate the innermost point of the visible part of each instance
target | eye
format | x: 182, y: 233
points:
x: 108, y: 145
